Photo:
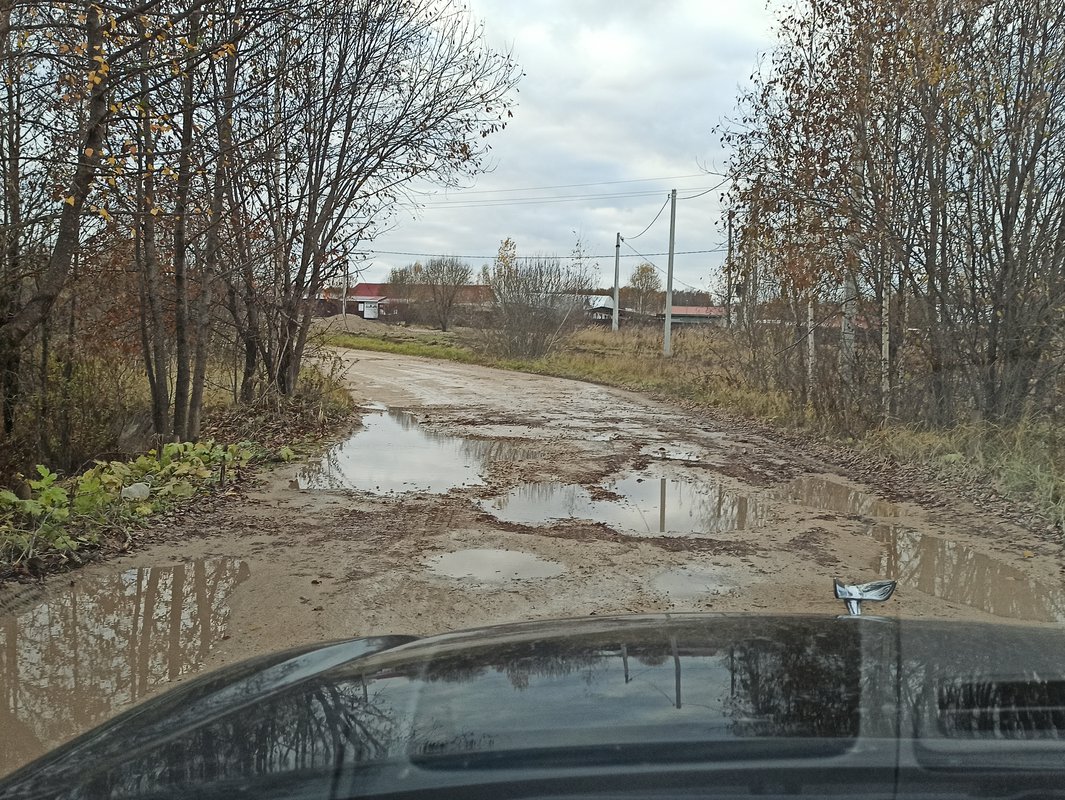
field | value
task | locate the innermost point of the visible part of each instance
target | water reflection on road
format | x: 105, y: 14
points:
x: 824, y: 494
x: 635, y: 503
x: 67, y: 663
x: 393, y: 454
x: 950, y: 571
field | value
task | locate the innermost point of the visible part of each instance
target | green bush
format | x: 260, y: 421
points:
x: 58, y: 517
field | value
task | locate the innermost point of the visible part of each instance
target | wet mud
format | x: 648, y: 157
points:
x: 469, y: 496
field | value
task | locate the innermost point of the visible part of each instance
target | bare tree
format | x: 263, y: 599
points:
x: 376, y: 95
x: 444, y: 278
x: 536, y: 301
x: 902, y: 169
x: 645, y: 289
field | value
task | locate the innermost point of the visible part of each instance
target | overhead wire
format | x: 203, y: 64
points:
x: 521, y: 201
x: 652, y: 222
x: 493, y: 255
x: 579, y: 185
x: 660, y: 270
x: 496, y: 202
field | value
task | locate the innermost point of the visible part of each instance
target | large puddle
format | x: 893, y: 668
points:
x: 633, y: 504
x: 959, y: 574
x: 488, y: 565
x: 70, y: 662
x: 392, y: 454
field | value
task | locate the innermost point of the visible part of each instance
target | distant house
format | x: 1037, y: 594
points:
x: 475, y: 294
x: 598, y: 308
x: 409, y: 302
x: 369, y: 300
x: 366, y: 300
x: 697, y: 315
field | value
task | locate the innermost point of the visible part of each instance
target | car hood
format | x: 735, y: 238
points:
x: 760, y: 701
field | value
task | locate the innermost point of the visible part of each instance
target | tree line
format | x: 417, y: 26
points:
x: 430, y: 293
x: 179, y: 177
x: 897, y: 209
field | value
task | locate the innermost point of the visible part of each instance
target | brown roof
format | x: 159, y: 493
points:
x: 367, y: 290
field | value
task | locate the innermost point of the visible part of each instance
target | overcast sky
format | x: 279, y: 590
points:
x: 614, y: 90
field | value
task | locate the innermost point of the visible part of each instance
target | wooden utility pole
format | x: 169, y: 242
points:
x: 667, y: 348
x: 617, y: 281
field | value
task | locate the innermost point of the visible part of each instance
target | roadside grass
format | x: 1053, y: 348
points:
x: 51, y: 521
x: 406, y: 347
x: 630, y: 359
x: 1024, y: 463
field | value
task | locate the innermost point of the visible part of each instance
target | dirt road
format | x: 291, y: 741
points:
x: 473, y: 496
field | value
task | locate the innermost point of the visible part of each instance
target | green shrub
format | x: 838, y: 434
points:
x: 59, y: 517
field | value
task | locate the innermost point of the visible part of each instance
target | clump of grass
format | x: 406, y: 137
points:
x: 423, y: 348
x: 1024, y: 462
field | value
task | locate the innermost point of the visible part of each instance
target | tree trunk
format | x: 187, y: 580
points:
x: 183, y: 367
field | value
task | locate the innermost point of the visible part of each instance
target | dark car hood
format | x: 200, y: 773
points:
x: 755, y: 700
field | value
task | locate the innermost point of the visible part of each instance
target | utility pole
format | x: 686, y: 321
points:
x: 667, y: 348
x: 617, y: 281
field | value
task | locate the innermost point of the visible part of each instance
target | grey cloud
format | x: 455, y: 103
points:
x: 613, y: 91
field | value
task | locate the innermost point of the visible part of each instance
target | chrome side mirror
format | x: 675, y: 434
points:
x: 853, y: 595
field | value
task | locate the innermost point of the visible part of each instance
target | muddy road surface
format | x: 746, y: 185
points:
x: 469, y: 496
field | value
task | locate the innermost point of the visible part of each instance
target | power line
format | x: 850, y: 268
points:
x: 707, y: 191
x: 611, y: 255
x: 579, y: 185
x: 522, y: 201
x: 652, y: 222
x: 653, y: 264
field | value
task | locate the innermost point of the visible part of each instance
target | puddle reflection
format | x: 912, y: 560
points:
x: 828, y: 495
x: 644, y: 506
x: 953, y: 572
x: 70, y: 662
x: 488, y: 565
x: 394, y: 454
x: 688, y: 583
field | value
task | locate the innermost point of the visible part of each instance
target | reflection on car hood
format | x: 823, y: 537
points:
x: 610, y: 695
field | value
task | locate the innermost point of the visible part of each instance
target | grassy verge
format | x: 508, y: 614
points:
x: 407, y: 347
x: 1024, y: 463
x: 628, y: 360
x: 51, y: 521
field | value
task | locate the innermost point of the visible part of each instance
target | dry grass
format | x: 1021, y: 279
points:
x: 1024, y: 462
